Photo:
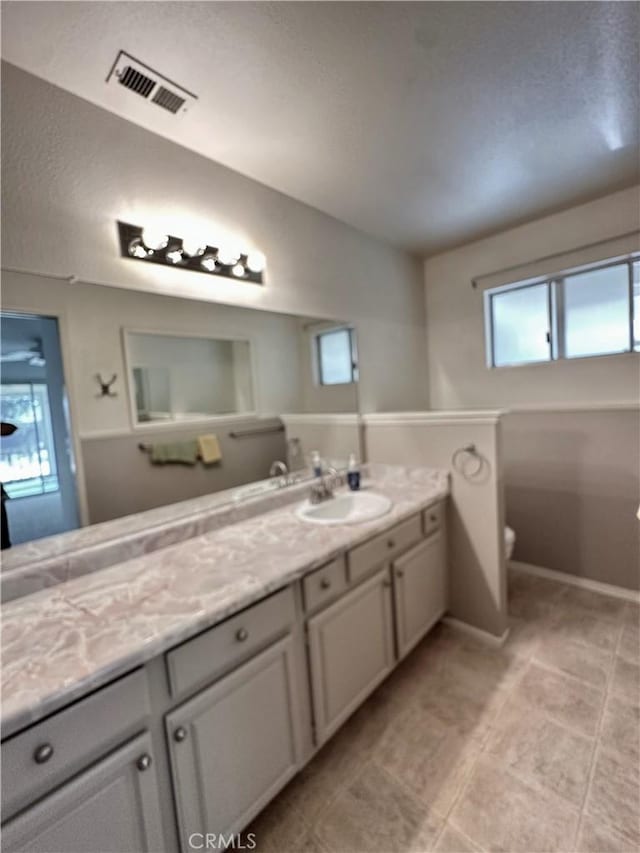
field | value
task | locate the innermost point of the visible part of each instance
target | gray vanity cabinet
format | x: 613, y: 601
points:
x: 420, y: 586
x: 351, y: 651
x: 236, y: 744
x: 111, y: 808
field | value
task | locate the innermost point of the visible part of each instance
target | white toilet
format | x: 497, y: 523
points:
x: 509, y: 542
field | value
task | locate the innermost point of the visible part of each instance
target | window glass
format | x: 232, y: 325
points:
x: 520, y: 325
x: 335, y: 357
x: 27, y: 458
x: 596, y: 312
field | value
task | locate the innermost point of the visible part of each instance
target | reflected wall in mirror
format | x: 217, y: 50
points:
x: 264, y: 386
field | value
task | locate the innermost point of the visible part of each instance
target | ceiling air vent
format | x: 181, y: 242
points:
x: 168, y: 99
x: 130, y: 73
x: 136, y: 81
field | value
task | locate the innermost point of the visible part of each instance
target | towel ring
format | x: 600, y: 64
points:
x: 462, y: 454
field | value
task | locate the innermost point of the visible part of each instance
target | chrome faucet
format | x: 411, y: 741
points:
x: 279, y: 467
x: 323, y: 487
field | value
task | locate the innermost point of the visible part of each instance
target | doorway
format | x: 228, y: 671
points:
x: 37, y: 468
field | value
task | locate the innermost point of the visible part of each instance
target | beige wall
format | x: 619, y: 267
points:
x: 476, y: 516
x: 335, y: 437
x: 458, y: 375
x: 121, y: 479
x: 572, y: 491
x: 71, y: 169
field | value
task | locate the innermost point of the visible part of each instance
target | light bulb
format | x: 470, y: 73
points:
x: 174, y: 256
x: 256, y: 261
x: 137, y: 249
x: 228, y: 254
x: 208, y: 263
x: 154, y: 239
x: 238, y: 270
x: 193, y: 248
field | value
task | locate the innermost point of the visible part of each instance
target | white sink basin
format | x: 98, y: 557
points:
x: 349, y: 508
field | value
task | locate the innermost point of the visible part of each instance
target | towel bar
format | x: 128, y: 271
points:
x: 246, y: 433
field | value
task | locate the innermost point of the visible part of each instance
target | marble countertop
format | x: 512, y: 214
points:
x: 33, y: 566
x: 63, y: 642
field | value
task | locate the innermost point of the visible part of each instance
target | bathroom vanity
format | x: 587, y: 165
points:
x: 175, y: 694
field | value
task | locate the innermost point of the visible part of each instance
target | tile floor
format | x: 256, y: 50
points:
x: 534, y: 747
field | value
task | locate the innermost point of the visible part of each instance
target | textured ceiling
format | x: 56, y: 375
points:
x: 425, y: 124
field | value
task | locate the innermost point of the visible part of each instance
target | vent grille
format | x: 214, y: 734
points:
x: 159, y: 91
x: 137, y: 82
x: 168, y: 100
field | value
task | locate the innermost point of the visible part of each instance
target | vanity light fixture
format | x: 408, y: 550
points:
x: 154, y: 239
x: 174, y: 255
x: 137, y: 249
x: 227, y: 259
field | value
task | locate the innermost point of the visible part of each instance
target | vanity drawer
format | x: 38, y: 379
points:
x: 385, y: 546
x: 51, y: 751
x: 324, y: 584
x: 434, y: 518
x: 199, y: 661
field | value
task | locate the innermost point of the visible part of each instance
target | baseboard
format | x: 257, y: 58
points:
x: 574, y: 580
x: 476, y: 633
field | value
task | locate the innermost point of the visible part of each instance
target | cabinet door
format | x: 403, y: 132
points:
x: 420, y: 590
x: 351, y: 652
x: 111, y: 808
x: 234, y: 745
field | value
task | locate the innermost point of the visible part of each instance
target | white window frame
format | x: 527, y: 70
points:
x: 353, y: 348
x: 556, y: 312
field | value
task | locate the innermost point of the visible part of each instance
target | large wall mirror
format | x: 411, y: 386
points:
x: 205, y: 398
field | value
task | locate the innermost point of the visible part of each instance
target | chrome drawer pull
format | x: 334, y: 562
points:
x: 325, y: 583
x: 241, y: 635
x: 180, y: 734
x: 144, y: 762
x: 43, y: 753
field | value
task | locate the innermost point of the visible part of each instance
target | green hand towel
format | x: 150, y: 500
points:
x: 181, y: 452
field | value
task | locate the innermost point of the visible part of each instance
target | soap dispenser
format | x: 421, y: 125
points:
x: 353, y: 473
x: 316, y: 463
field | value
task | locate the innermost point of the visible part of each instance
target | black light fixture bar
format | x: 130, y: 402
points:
x: 172, y: 254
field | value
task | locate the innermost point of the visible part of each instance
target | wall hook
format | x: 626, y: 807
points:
x: 105, y: 387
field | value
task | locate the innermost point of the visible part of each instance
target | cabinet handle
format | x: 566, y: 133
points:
x: 43, y: 753
x: 433, y: 518
x: 144, y: 762
x: 241, y: 635
x: 391, y: 543
x: 325, y: 583
x: 180, y: 734
x: 399, y: 573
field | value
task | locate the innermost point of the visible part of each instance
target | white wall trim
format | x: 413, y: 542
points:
x: 615, y: 406
x: 574, y: 580
x: 220, y: 421
x: 477, y: 633
x: 434, y: 418
x: 321, y: 418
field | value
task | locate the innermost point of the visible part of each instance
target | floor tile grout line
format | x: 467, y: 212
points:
x: 597, y: 744
x: 465, y: 783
